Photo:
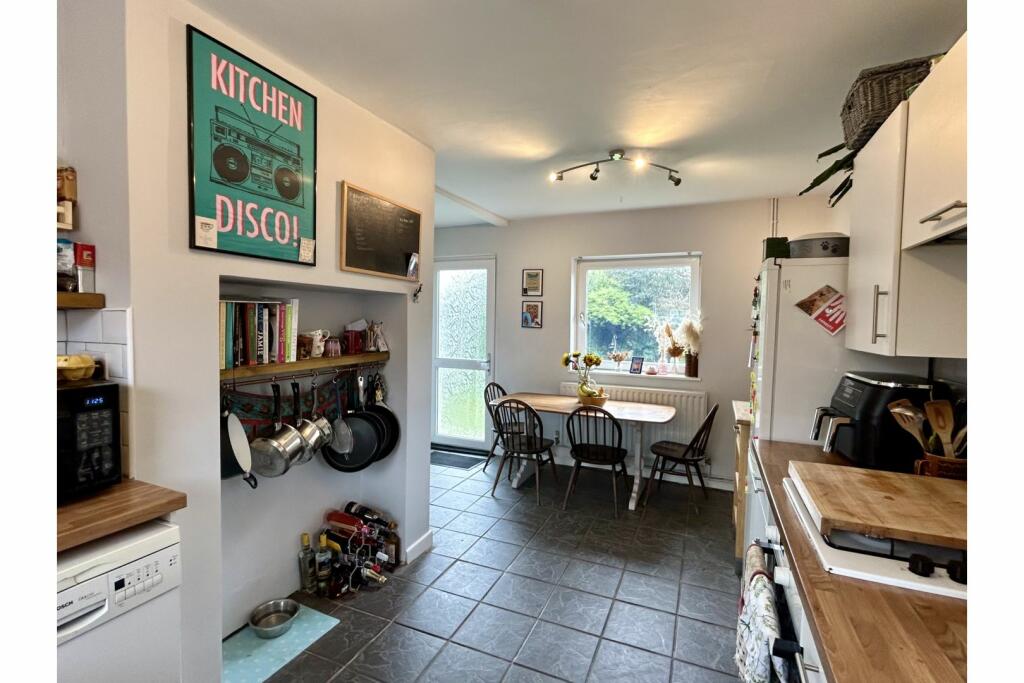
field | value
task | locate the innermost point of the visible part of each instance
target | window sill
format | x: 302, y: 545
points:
x: 608, y: 375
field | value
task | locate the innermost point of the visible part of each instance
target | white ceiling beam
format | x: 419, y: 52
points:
x: 484, y: 214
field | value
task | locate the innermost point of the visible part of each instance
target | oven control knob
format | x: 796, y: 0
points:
x: 921, y: 565
x: 772, y: 532
x: 957, y: 571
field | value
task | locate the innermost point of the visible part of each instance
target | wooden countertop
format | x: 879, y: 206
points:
x: 865, y: 631
x: 741, y: 411
x: 117, y: 508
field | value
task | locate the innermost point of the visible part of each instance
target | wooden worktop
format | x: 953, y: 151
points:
x: 117, y: 508
x: 865, y: 631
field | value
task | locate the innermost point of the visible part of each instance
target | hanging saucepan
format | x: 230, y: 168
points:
x: 366, y: 440
x: 273, y: 455
x: 235, y: 454
x: 381, y: 409
x: 316, y: 432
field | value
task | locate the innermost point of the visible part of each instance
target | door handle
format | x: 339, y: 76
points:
x: 937, y: 215
x: 486, y: 364
x: 875, y: 336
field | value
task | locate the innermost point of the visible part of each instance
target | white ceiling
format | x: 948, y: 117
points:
x: 740, y: 96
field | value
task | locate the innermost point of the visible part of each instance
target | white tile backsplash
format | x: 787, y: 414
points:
x: 115, y: 326
x: 76, y: 347
x: 62, y: 348
x: 85, y: 326
x: 62, y: 326
x: 113, y: 356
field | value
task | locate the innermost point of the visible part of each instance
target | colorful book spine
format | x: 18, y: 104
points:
x: 287, y: 333
x: 281, y: 313
x: 222, y: 331
x: 229, y: 334
x: 239, y: 334
x: 295, y: 329
x: 250, y: 334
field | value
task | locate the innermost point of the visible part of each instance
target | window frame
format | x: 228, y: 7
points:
x: 581, y: 265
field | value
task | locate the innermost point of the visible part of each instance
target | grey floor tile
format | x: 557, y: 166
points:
x: 704, y: 604
x: 495, y: 631
x: 527, y: 512
x: 471, y: 523
x: 491, y: 553
x: 655, y: 563
x: 350, y: 675
x: 591, y: 577
x: 641, y: 627
x: 520, y: 594
x: 616, y: 663
x: 473, y: 486
x: 660, y: 541
x: 314, y: 601
x: 389, y: 601
x: 715, y: 551
x: 538, y: 564
x: 576, y: 609
x: 437, y: 613
x: 456, y: 500
x: 306, y: 668
x: 684, y: 672
x: 705, y: 645
x: 452, y: 543
x: 440, y: 516
x: 425, y: 568
x: 648, y: 591
x: 398, y: 655
x: 558, y: 651
x: 716, y: 577
x: 493, y: 507
x: 458, y: 663
x: 444, y: 481
x: 602, y: 550
x: 511, y: 532
x: 353, y: 631
x: 468, y: 580
x: 520, y: 674
x: 435, y: 492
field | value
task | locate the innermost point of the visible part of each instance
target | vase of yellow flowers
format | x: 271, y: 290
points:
x: 582, y: 364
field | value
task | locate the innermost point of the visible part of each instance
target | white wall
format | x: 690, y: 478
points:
x: 728, y: 235
x: 174, y: 293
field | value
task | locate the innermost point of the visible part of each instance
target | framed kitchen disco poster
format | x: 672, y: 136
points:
x: 252, y: 157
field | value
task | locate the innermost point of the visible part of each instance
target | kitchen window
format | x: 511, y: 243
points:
x: 624, y: 303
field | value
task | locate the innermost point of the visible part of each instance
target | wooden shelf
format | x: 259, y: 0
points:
x: 337, y: 362
x: 80, y: 300
x: 123, y: 505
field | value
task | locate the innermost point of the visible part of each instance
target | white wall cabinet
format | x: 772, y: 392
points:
x: 910, y: 302
x: 935, y: 195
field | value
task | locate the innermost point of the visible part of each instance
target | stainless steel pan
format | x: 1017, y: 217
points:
x: 235, y: 452
x: 315, y: 432
x: 273, y: 455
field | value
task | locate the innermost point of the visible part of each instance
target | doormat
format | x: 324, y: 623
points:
x: 247, y: 658
x: 462, y: 462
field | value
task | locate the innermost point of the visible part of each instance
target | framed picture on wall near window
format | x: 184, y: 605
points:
x: 533, y: 314
x: 533, y: 282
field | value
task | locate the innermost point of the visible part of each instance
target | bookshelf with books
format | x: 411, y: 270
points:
x: 257, y: 331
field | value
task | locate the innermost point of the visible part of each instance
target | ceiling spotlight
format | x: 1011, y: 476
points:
x: 552, y: 177
x: 617, y: 155
x: 639, y: 163
x: 674, y: 179
x: 597, y: 169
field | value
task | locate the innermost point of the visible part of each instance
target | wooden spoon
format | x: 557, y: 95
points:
x: 940, y: 416
x: 959, y: 440
x: 910, y: 417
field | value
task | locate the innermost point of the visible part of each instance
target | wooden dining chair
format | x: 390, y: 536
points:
x: 595, y: 438
x: 521, y: 435
x: 670, y: 454
x: 492, y: 392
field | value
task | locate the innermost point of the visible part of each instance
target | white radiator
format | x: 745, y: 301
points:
x: 691, y: 408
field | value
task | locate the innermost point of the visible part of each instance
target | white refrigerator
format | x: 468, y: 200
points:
x: 796, y: 363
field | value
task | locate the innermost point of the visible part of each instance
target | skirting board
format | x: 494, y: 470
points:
x: 419, y: 546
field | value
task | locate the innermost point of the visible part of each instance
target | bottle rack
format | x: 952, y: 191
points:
x: 309, y: 367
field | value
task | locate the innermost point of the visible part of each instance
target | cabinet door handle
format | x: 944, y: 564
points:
x: 875, y: 336
x: 937, y: 216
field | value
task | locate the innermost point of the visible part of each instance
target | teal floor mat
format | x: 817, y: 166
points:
x: 248, y: 658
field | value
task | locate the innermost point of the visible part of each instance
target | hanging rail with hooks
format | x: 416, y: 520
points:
x: 309, y: 367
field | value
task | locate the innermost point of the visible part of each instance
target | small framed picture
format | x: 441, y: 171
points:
x: 533, y: 314
x: 533, y: 282
x: 636, y: 365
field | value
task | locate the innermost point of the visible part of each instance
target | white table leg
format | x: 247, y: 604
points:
x: 638, y: 467
x: 522, y: 474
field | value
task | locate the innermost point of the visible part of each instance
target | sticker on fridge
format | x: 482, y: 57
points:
x: 827, y: 307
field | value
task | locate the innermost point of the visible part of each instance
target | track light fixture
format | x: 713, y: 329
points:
x: 618, y: 155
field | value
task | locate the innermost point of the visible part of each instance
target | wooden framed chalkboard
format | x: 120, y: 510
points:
x: 378, y: 236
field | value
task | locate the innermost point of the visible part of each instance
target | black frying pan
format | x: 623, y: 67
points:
x: 378, y: 407
x: 366, y: 439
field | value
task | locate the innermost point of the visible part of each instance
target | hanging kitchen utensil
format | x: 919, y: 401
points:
x: 273, y: 455
x: 381, y: 409
x: 940, y: 416
x: 960, y: 442
x: 377, y: 421
x: 911, y: 418
x: 341, y: 442
x: 311, y: 432
x: 365, y: 443
x: 235, y: 453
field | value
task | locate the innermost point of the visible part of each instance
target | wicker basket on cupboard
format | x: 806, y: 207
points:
x: 875, y: 94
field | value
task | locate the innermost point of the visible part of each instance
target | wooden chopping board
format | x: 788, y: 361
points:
x: 906, y: 507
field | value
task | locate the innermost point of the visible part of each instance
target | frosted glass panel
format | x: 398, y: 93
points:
x: 460, y: 403
x: 462, y: 314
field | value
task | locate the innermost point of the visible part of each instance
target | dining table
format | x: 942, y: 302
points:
x: 632, y: 414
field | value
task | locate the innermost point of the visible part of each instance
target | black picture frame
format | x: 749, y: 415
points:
x: 636, y: 365
x: 191, y: 31
x: 530, y: 292
x: 527, y: 319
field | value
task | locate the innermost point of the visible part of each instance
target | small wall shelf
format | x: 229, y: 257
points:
x: 307, y: 365
x: 80, y: 300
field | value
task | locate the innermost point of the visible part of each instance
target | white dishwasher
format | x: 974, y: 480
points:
x: 119, y: 607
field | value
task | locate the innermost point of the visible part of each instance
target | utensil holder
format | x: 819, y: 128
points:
x: 941, y: 466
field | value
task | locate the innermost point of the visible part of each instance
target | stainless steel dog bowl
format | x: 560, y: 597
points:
x: 273, y: 618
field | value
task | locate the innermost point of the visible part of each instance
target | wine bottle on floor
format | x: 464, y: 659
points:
x: 369, y: 515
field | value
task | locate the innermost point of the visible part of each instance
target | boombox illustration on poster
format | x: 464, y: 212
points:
x: 252, y: 154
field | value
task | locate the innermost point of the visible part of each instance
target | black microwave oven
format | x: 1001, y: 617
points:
x: 88, y: 438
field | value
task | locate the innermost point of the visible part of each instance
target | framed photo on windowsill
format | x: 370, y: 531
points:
x: 533, y: 314
x: 533, y: 282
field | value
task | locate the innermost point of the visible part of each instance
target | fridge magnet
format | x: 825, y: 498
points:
x: 533, y: 282
x: 636, y: 365
x: 533, y: 314
x: 252, y: 157
x: 827, y: 307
